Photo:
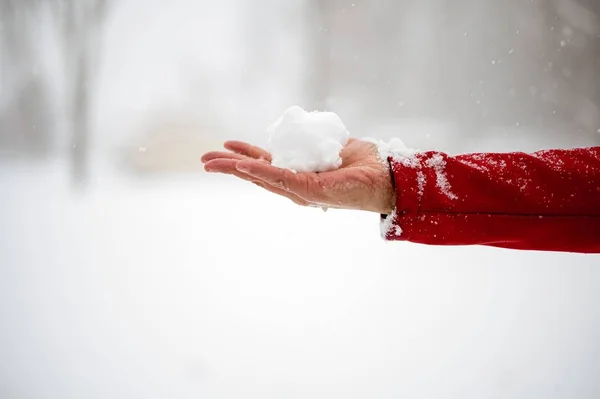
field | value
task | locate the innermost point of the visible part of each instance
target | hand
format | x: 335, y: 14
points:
x: 363, y: 181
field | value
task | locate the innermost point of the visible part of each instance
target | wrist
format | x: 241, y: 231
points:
x: 385, y: 193
x: 391, y: 189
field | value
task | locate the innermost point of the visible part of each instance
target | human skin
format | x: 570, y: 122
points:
x: 363, y: 181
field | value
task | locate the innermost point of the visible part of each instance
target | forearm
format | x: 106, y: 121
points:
x: 548, y: 200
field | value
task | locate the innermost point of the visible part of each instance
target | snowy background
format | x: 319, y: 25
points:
x: 126, y: 272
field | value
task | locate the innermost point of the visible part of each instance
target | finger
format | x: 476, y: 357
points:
x: 297, y: 200
x: 302, y: 184
x: 228, y: 166
x: 209, y: 156
x: 221, y: 165
x: 248, y: 150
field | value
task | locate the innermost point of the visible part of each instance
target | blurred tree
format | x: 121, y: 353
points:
x: 25, y: 123
x: 576, y: 34
x: 24, y: 116
x: 320, y: 37
x: 528, y: 68
x: 79, y: 24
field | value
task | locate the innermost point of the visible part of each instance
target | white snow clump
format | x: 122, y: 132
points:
x: 307, y: 141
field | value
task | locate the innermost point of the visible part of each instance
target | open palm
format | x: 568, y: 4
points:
x: 362, y: 182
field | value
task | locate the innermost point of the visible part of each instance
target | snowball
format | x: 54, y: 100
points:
x: 307, y: 142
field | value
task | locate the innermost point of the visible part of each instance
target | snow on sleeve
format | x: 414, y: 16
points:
x: 389, y: 226
x: 307, y: 141
x: 412, y: 158
x: 432, y: 164
x: 438, y: 164
x: 396, y: 149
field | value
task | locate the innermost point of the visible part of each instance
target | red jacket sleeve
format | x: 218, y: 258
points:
x: 548, y: 201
